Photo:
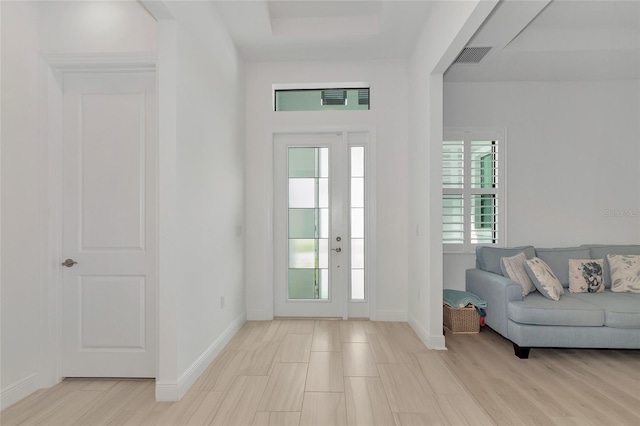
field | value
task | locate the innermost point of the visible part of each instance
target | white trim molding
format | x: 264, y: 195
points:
x: 397, y: 316
x: 175, y: 391
x: 432, y: 342
x: 52, y: 68
x: 102, y: 62
x: 259, y: 315
x: 18, y: 390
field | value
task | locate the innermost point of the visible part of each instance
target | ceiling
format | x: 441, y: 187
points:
x: 305, y: 30
x: 564, y: 40
x: 529, y: 40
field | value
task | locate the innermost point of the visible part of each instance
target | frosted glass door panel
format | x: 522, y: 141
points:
x: 302, y: 193
x: 357, y: 223
x: 308, y: 226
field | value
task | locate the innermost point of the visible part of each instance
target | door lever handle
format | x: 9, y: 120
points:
x: 69, y: 263
x: 337, y: 250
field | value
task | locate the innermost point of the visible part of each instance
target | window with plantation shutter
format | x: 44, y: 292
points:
x: 473, y: 183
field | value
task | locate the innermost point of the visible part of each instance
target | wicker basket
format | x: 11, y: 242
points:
x: 461, y: 321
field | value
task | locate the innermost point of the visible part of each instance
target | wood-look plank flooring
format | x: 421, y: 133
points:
x: 332, y: 372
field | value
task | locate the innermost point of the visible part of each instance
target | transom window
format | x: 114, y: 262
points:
x: 330, y: 99
x: 473, y: 184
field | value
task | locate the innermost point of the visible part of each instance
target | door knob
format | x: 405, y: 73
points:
x: 69, y: 263
x: 337, y: 250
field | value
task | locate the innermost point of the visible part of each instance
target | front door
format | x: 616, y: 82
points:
x: 320, y: 221
x: 109, y: 209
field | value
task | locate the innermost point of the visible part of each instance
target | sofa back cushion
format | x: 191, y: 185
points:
x: 601, y: 252
x: 558, y: 260
x: 488, y: 257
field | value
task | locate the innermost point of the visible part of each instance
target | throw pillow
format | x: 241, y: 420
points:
x: 544, y: 279
x: 488, y: 257
x: 601, y: 252
x: 513, y: 267
x: 558, y: 260
x: 585, y: 275
x: 625, y: 272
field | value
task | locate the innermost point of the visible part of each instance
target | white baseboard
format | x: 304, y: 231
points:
x: 167, y: 392
x: 260, y: 315
x: 175, y: 391
x: 400, y: 316
x: 432, y: 342
x: 21, y: 389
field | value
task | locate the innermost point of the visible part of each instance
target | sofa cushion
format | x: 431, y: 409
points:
x: 620, y: 310
x: 558, y: 260
x: 601, y: 252
x: 488, y: 257
x: 536, y: 309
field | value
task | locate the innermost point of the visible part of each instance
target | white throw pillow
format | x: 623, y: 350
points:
x: 585, y: 275
x: 544, y: 279
x: 513, y: 267
x: 625, y: 272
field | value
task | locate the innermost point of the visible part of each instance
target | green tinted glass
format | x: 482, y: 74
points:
x: 322, y: 100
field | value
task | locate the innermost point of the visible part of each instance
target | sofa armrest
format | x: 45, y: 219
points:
x: 497, y: 291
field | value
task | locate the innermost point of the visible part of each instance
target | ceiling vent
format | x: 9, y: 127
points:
x: 472, y: 55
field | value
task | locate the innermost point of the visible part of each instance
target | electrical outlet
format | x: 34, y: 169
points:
x: 222, y: 302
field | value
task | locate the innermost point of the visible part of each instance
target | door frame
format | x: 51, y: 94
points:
x: 370, y: 205
x: 52, y: 69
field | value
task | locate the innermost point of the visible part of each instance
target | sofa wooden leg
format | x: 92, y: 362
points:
x: 522, y: 353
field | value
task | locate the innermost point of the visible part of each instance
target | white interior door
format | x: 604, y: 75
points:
x: 319, y: 226
x: 109, y: 226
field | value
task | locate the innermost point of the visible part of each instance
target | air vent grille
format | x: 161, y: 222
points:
x: 472, y: 55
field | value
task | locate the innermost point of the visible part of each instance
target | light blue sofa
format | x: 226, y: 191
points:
x: 577, y: 320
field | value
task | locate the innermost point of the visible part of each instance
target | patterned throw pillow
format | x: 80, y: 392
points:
x: 544, y: 279
x: 625, y: 272
x: 585, y: 275
x: 513, y: 267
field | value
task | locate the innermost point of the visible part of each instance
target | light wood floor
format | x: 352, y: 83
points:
x: 306, y: 372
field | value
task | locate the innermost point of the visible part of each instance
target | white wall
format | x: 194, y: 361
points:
x: 96, y: 27
x: 388, y: 116
x: 22, y: 192
x: 29, y: 30
x: 572, y: 155
x: 205, y: 177
x: 201, y: 198
x: 449, y: 26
